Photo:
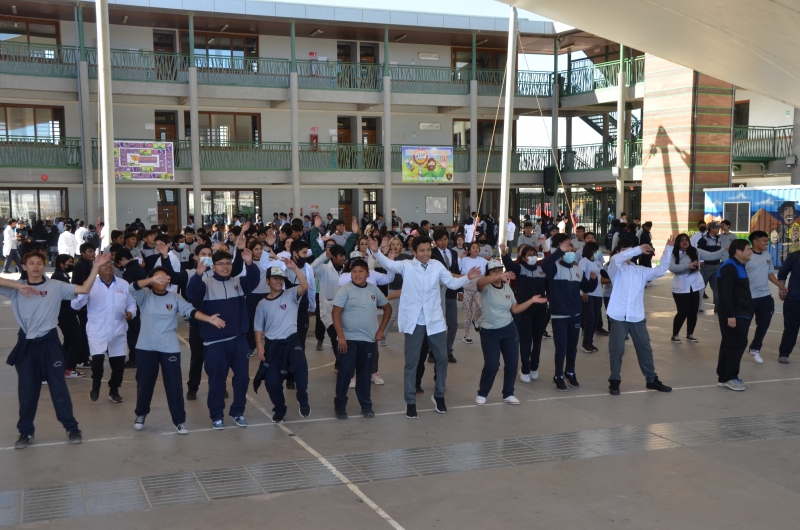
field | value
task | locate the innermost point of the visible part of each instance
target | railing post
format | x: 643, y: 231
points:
x: 293, y: 63
x: 191, y: 47
x: 81, y: 41
x: 474, y: 56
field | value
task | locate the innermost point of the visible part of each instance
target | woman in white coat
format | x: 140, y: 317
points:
x: 67, y: 243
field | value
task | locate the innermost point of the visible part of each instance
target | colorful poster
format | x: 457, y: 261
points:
x: 144, y: 160
x: 427, y: 164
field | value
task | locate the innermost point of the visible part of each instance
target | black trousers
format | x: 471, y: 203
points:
x: 134, y: 326
x: 791, y: 326
x: 687, y: 304
x: 357, y: 361
x: 147, y: 375
x: 495, y: 342
x: 13, y: 255
x: 731, y: 348
x: 335, y: 343
x: 196, y: 358
x: 319, y: 327
x: 117, y: 370
x: 531, y: 330
x: 83, y: 340
x: 764, y: 307
x: 68, y: 324
x: 592, y: 318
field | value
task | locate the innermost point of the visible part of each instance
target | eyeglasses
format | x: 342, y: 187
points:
x: 223, y: 263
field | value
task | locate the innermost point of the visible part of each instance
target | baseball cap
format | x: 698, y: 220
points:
x: 276, y: 272
x: 494, y: 264
x: 356, y: 255
x: 712, y: 224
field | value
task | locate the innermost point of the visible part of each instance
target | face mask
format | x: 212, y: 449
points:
x: 407, y: 230
x: 532, y: 260
x: 598, y: 256
x: 703, y: 230
x: 301, y: 262
x: 181, y: 246
x: 206, y: 260
x: 70, y: 268
x: 569, y: 257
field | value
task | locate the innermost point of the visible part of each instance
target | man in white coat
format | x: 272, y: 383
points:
x: 110, y: 306
x: 67, y: 243
x: 10, y: 250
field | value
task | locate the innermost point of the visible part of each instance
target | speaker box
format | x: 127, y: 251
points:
x: 550, y: 180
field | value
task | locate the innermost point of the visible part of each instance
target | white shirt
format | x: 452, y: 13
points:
x: 106, y: 327
x: 685, y: 281
x: 510, y: 231
x: 105, y: 240
x: 9, y: 240
x: 420, y: 302
x: 627, y: 298
x: 375, y: 278
x: 562, y: 226
x: 469, y: 233
x: 588, y: 267
x: 66, y: 244
x: 695, y: 238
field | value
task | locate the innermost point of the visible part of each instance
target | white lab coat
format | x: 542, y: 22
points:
x: 66, y: 244
x: 79, y: 233
x: 106, y: 327
x: 9, y: 237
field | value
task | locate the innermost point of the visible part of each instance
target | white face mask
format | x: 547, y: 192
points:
x: 532, y: 260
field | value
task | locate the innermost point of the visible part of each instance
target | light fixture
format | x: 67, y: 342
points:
x: 480, y: 42
x: 14, y: 9
x: 401, y: 37
x: 211, y: 40
x: 316, y: 32
x: 125, y: 19
x: 223, y: 28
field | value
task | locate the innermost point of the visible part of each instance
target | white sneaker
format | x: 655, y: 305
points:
x: 181, y: 428
x: 511, y: 400
x: 377, y: 379
x: 352, y: 383
x: 480, y: 400
x: 735, y: 384
x: 534, y: 375
x: 757, y: 356
x: 525, y: 378
x: 139, y: 423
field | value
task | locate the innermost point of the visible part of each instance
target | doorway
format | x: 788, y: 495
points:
x: 163, y: 41
x: 346, y: 207
x: 169, y: 210
x: 343, y: 130
x: 165, y: 126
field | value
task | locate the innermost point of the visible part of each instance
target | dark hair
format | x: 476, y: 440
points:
x: 62, y: 259
x: 337, y: 250
x: 420, y: 240
x: 473, y: 243
x: 523, y: 251
x: 439, y: 233
x: 424, y: 222
x: 156, y: 270
x: 648, y: 224
x: 253, y: 242
x: 580, y: 227
x: 115, y: 234
x: 690, y: 251
x: 286, y: 230
x: 164, y: 238
x: 622, y: 244
x: 737, y: 245
x: 358, y: 262
x: 725, y: 222
x: 164, y: 228
x: 204, y: 240
x: 220, y: 255
x: 557, y: 239
x: 527, y: 224
x: 298, y: 245
x: 177, y: 237
x: 589, y: 249
x: 589, y: 234
x: 786, y: 204
x: 198, y: 248
x: 119, y: 255
x: 758, y: 234
x: 87, y: 246
x: 188, y: 230
x: 148, y: 233
x: 114, y: 248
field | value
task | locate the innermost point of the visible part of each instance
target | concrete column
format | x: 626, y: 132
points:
x: 106, y: 114
x: 85, y: 104
x: 473, y: 149
x: 554, y: 126
x: 387, y: 144
x: 508, y: 124
x: 359, y: 210
x: 295, y: 115
x: 795, y: 146
x: 620, y: 133
x: 194, y: 131
x: 359, y: 129
x: 569, y: 132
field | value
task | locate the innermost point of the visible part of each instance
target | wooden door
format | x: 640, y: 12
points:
x: 165, y: 131
x: 346, y: 215
x: 344, y: 136
x: 168, y: 215
x: 368, y: 137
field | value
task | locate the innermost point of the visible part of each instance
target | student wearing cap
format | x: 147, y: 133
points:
x: 498, y: 332
x: 357, y: 331
x: 276, y: 320
x: 711, y: 242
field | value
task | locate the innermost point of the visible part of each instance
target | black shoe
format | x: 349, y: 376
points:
x: 225, y: 395
x: 94, y: 394
x: 676, y: 340
x: 367, y: 412
x: 705, y: 296
x: 613, y: 388
x: 23, y: 441
x: 691, y: 338
x: 431, y: 360
x: 452, y: 358
x: 573, y: 381
x: 589, y: 348
x: 441, y: 408
x: 277, y: 418
x: 191, y: 395
x: 476, y: 326
x: 305, y: 411
x: 130, y: 364
x: 546, y: 335
x: 419, y: 390
x: 658, y: 385
x: 76, y: 436
x: 114, y: 397
x: 340, y: 414
x: 559, y: 382
x: 602, y: 332
x: 411, y: 412
x: 290, y: 385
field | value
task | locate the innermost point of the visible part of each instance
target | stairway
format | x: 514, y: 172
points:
x: 596, y: 123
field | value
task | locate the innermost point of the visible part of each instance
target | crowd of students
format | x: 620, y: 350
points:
x: 254, y: 289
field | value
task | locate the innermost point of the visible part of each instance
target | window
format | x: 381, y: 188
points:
x: 371, y: 203
x: 31, y: 122
x: 738, y: 213
x: 221, y: 50
x: 741, y: 113
x: 17, y: 30
x: 221, y: 129
x: 30, y: 205
x: 219, y: 206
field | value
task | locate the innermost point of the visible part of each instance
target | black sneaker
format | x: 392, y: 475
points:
x: 431, y: 360
x: 23, y: 441
x: 419, y: 390
x: 305, y: 411
x: 411, y: 412
x: 277, y: 418
x: 225, y: 395
x: 130, y: 364
x: 658, y: 385
x: 115, y: 398
x: 573, y: 381
x: 602, y: 332
x: 76, y: 436
x: 94, y: 394
x: 441, y: 408
x: 559, y: 382
x: 589, y: 348
x: 676, y: 340
x: 340, y: 414
x: 690, y: 338
x: 191, y: 395
x: 476, y: 326
x: 546, y: 335
x: 367, y: 412
x: 613, y: 388
x: 452, y: 358
x: 290, y: 384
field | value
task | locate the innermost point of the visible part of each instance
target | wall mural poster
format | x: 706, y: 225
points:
x: 427, y: 164
x: 772, y: 210
x: 144, y: 160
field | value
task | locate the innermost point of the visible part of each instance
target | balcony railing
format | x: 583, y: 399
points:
x: 243, y: 155
x: 430, y: 79
x: 341, y: 157
x: 37, y: 59
x: 591, y: 77
x: 588, y: 157
x: 761, y: 143
x: 336, y: 75
x: 528, y: 83
x: 142, y: 65
x: 29, y: 151
x: 633, y: 153
x: 242, y: 71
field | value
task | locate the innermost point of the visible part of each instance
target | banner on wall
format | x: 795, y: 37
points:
x: 427, y: 164
x: 144, y: 160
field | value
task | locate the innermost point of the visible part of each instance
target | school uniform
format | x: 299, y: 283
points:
x: 328, y: 277
x: 498, y: 335
x: 735, y: 302
x: 592, y: 308
x: 133, y: 272
x: 67, y: 323
x: 759, y: 267
x: 106, y: 328
x: 449, y: 258
x: 38, y: 354
x: 531, y: 323
x: 258, y: 294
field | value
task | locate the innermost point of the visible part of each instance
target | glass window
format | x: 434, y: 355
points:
x: 244, y: 129
x: 20, y: 121
x: 51, y: 204
x: 12, y: 31
x: 45, y: 126
x: 3, y: 127
x: 42, y: 34
x: 225, y: 204
x: 5, y: 205
x: 25, y: 205
x: 222, y: 128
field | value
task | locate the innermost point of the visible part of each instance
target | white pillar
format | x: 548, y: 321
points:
x: 387, y: 147
x: 106, y: 115
x: 508, y: 125
x: 90, y: 206
x: 620, y: 183
x: 795, y: 146
x: 293, y: 97
x: 194, y: 126
x: 473, y: 149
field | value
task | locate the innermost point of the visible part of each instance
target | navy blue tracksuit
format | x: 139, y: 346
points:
x: 357, y: 361
x: 494, y: 342
x: 148, y: 363
x: 284, y: 357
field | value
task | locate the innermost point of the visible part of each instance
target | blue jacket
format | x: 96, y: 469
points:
x: 710, y: 244
x: 225, y: 296
x: 791, y: 267
x: 566, y: 284
x: 733, y: 288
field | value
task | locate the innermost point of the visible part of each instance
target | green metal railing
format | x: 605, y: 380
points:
x: 590, y: 78
x: 336, y: 75
x: 341, y: 157
x: 588, y: 157
x: 634, y: 70
x: 242, y: 71
x: 38, y: 59
x: 633, y: 153
x: 528, y: 83
x: 29, y: 151
x: 243, y: 155
x: 430, y: 79
x: 142, y: 65
x: 762, y: 143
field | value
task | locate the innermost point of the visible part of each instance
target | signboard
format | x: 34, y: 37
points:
x: 152, y: 211
x: 427, y: 164
x: 334, y: 211
x: 144, y: 160
x: 315, y: 207
x: 430, y: 126
x: 427, y: 56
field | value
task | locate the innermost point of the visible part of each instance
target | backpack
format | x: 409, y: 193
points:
x: 610, y: 239
x: 93, y: 238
